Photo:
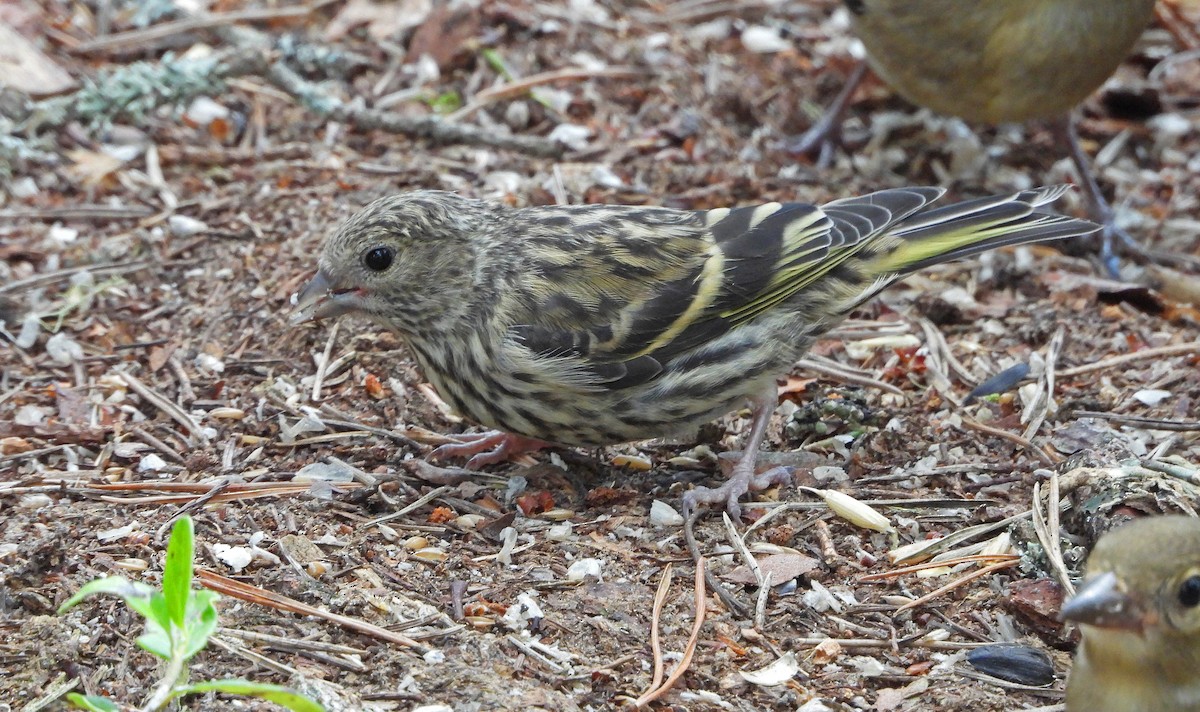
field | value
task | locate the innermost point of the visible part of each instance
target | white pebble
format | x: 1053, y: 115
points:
x: 151, y: 463
x: 34, y: 501
x: 664, y: 515
x: 584, y: 568
x: 235, y: 557
x: 210, y: 363
x: 763, y: 40
x: 203, y: 111
x: 30, y: 415
x: 184, y: 226
x: 60, y: 236
x: 23, y: 187
x: 1151, y: 396
x: 63, y: 348
x: 573, y: 136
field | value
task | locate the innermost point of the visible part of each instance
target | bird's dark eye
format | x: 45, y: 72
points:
x: 1189, y: 592
x: 379, y: 258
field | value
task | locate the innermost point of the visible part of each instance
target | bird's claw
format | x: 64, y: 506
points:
x: 487, y: 448
x: 1110, y: 235
x: 819, y: 141
x: 825, y: 136
x: 742, y: 480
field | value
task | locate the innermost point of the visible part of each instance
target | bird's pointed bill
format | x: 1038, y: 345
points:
x: 321, y: 299
x: 1102, y: 602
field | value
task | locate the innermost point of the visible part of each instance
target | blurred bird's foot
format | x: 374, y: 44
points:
x: 1099, y: 208
x: 742, y: 480
x: 825, y: 136
x: 819, y: 141
x: 488, y: 448
x: 1110, y: 235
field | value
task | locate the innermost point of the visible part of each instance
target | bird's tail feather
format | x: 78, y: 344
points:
x: 974, y: 226
x: 963, y: 229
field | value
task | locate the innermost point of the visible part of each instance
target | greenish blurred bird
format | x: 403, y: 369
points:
x: 1139, y: 614
x: 997, y: 61
x: 600, y: 324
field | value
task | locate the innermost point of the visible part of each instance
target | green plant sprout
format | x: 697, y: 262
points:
x: 179, y: 622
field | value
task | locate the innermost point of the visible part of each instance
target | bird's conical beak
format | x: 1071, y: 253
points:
x: 321, y: 299
x: 1102, y: 602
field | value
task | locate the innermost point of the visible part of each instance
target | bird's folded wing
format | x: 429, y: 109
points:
x: 738, y: 264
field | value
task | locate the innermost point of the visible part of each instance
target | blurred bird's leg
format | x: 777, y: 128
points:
x: 1098, y: 206
x: 743, y: 479
x: 822, y: 137
x: 488, y: 448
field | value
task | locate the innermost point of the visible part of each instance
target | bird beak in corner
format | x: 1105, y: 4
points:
x: 321, y: 300
x: 1102, y: 602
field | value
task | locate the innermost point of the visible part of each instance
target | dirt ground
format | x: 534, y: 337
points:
x: 147, y: 368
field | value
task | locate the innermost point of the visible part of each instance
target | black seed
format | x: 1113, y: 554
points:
x: 1014, y: 663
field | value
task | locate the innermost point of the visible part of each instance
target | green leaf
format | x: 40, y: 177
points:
x: 157, y: 611
x: 155, y: 640
x: 202, y: 603
x: 177, y: 574
x: 144, y: 605
x: 274, y: 693
x: 129, y: 590
x: 94, y: 703
x: 202, y: 621
x: 497, y: 63
x: 446, y: 102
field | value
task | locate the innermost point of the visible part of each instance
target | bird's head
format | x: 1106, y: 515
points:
x: 1143, y: 578
x: 408, y: 261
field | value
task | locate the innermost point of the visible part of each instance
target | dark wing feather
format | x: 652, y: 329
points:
x: 743, y: 261
x: 655, y: 285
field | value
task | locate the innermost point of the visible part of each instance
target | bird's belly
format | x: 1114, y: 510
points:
x: 534, y: 404
x: 567, y: 417
x: 998, y: 61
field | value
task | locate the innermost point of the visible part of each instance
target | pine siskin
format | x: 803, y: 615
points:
x: 598, y: 324
x: 1139, y: 611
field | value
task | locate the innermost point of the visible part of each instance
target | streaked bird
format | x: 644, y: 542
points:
x: 995, y: 62
x: 598, y: 324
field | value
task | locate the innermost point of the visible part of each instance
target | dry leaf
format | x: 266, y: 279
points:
x: 93, y: 168
x: 782, y: 567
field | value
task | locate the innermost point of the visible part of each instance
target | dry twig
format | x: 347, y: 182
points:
x: 689, y: 650
x: 959, y: 582
x: 1143, y: 355
x: 1049, y: 459
x: 143, y: 39
x: 253, y: 594
x: 173, y: 411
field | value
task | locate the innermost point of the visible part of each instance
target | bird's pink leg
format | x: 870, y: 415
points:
x: 488, y: 448
x: 743, y: 479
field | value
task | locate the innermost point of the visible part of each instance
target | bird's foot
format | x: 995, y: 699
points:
x: 1110, y: 236
x: 825, y: 136
x: 488, y: 448
x: 820, y: 141
x: 1099, y: 209
x: 742, y: 480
